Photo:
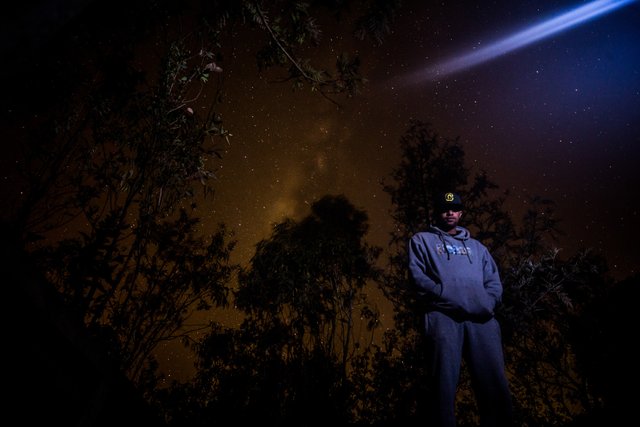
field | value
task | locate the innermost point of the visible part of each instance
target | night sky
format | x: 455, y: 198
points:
x: 558, y: 118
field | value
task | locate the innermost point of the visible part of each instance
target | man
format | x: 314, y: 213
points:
x: 459, y: 286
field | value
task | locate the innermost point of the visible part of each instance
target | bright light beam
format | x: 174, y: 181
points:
x: 523, y: 38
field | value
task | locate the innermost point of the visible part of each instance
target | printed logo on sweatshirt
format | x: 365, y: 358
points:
x: 452, y: 250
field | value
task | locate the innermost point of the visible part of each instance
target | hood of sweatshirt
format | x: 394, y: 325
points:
x: 463, y: 233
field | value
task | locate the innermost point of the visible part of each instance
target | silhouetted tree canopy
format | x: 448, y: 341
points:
x: 308, y: 324
x: 119, y: 164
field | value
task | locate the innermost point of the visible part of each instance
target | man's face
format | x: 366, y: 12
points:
x: 449, y: 219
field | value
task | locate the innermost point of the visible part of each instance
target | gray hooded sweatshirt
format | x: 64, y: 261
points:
x: 455, y: 275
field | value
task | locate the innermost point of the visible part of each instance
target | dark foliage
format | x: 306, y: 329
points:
x: 118, y: 164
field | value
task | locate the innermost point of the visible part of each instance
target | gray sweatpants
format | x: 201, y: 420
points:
x: 481, y: 346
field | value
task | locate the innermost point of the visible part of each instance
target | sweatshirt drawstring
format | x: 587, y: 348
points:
x: 466, y: 251
x: 444, y: 245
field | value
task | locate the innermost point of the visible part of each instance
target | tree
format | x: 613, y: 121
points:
x: 307, y: 322
x: 132, y: 265
x: 543, y: 314
x: 542, y: 317
x: 430, y: 163
x: 123, y: 145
